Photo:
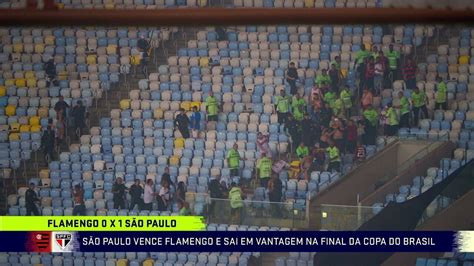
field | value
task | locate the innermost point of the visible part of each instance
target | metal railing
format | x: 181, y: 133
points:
x: 345, y: 217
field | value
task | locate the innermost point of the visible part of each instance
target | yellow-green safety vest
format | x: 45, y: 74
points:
x: 333, y: 154
x: 235, y: 197
x: 212, y: 106
x: 233, y: 158
x: 265, y: 167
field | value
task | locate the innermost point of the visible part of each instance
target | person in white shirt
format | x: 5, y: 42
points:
x: 148, y: 195
x: 379, y: 71
x: 164, y: 196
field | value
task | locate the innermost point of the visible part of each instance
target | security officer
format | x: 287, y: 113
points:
x: 392, y: 120
x: 282, y: 106
x: 441, y: 90
x: 233, y: 160
x: 212, y: 107
x: 264, y: 166
x: 334, y: 158
x: 345, y: 96
x: 236, y: 203
x: 404, y: 110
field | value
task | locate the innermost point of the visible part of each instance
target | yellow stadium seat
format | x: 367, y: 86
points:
x: 35, y: 128
x: 15, y: 127
x: 203, y: 61
x: 31, y: 83
x: 62, y: 75
x: 174, y: 160
x: 122, y: 262
x: 158, y: 113
x: 3, y: 91
x: 464, y: 59
x: 202, y: 3
x: 30, y: 75
x: 9, y: 82
x: 344, y: 72
x: 368, y: 46
x: 18, y: 48
x: 43, y: 112
x: 25, y: 128
x: 111, y: 49
x: 60, y: 5
x: 20, y: 82
x: 14, y: 136
x: 91, y: 59
x: 197, y: 104
x: 109, y: 6
x: 186, y: 105
x: 34, y: 121
x: 179, y: 143
x: 148, y: 262
x: 125, y: 104
x: 49, y: 40
x: 10, y: 110
x: 39, y: 48
x: 308, y: 3
x: 135, y: 60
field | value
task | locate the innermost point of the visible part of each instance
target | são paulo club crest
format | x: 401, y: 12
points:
x: 63, y: 239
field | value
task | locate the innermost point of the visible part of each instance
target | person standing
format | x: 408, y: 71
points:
x: 182, y: 123
x: 392, y: 120
x: 309, y: 131
x: 79, y: 115
x: 441, y: 95
x: 264, y: 169
x: 409, y: 74
x: 282, y: 106
x: 48, y: 144
x: 30, y: 201
x: 164, y: 197
x: 335, y: 75
x: 419, y: 100
x: 212, y: 107
x: 379, y: 70
x: 393, y: 61
x: 79, y: 206
x: 323, y: 80
x: 136, y: 192
x: 236, y: 203
x: 369, y: 74
x: 294, y: 130
x: 195, y: 122
x: 292, y: 77
x: 346, y: 98
x: 180, y: 194
x: 217, y: 195
x: 334, y: 158
x: 233, y: 160
x: 302, y: 151
x: 61, y: 104
x: 118, y: 191
x: 298, y: 107
x: 404, y: 110
x: 262, y: 144
x: 50, y: 70
x: 370, y: 125
x: 148, y: 195
x: 275, y: 195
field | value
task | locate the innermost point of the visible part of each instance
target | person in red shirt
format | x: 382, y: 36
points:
x: 351, y: 136
x: 409, y: 74
x: 369, y: 73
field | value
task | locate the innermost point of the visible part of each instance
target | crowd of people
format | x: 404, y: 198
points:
x: 331, y: 121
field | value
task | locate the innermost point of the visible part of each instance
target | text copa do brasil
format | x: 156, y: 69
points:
x: 112, y: 223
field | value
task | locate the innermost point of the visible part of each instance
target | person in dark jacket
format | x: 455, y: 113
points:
x: 136, y: 192
x: 48, y: 143
x: 30, y: 201
x: 294, y: 129
x: 166, y: 177
x: 292, y: 77
x: 275, y: 195
x: 180, y: 194
x: 308, y: 133
x: 79, y: 206
x: 79, y: 115
x: 61, y: 105
x: 143, y: 43
x: 50, y: 69
x: 182, y: 123
x: 217, y: 194
x: 118, y: 190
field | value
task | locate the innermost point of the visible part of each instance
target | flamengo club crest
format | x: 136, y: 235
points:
x: 63, y: 239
